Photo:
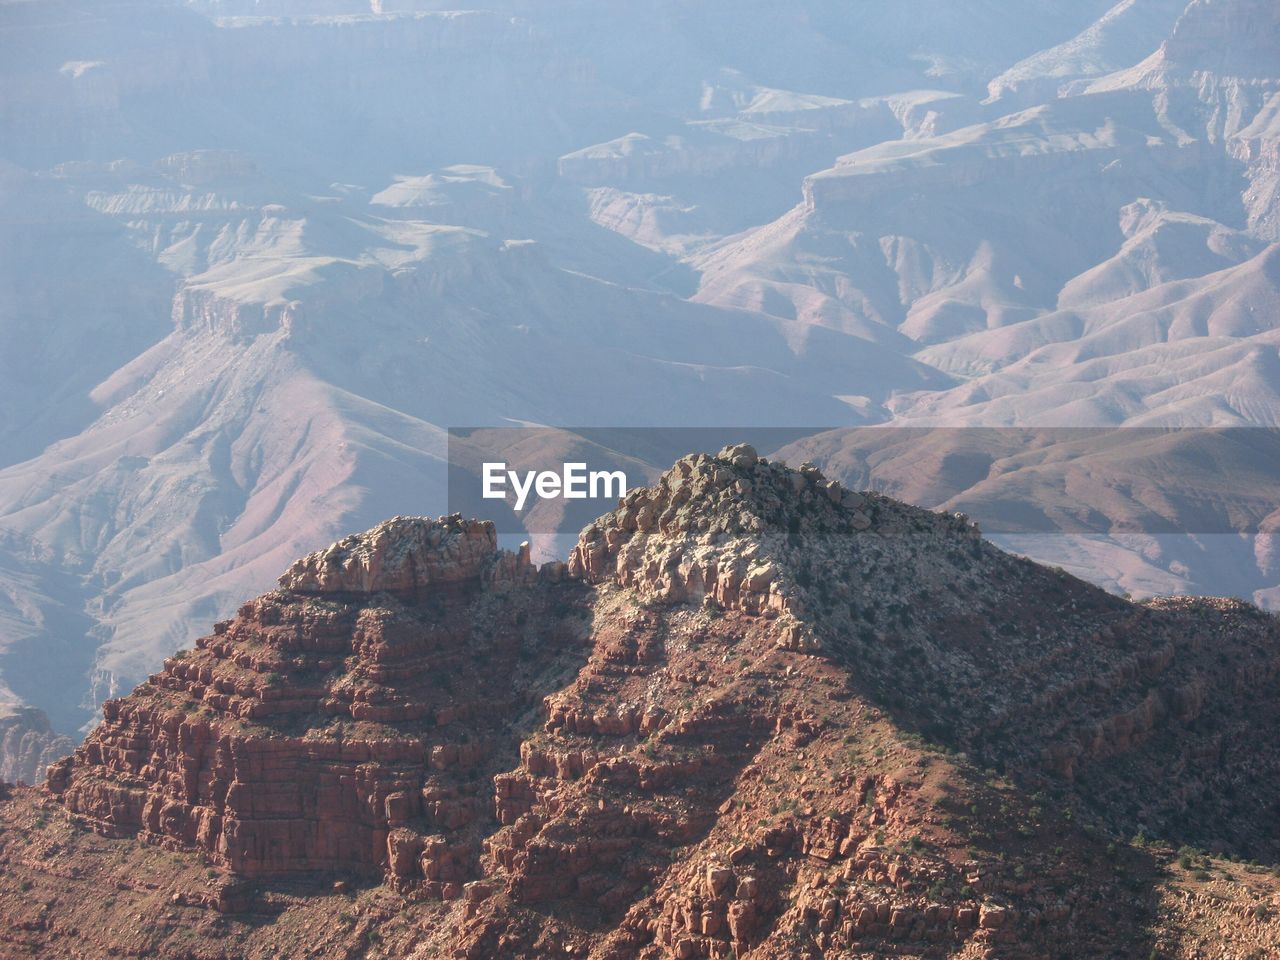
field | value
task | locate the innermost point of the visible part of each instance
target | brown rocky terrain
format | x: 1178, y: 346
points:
x: 755, y: 715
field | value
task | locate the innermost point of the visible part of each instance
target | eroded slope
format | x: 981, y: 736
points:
x: 755, y: 715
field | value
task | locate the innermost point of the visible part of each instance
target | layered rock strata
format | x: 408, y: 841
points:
x: 360, y: 703
x: 754, y: 715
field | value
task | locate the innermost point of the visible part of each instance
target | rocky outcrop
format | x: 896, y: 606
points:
x: 403, y: 555
x: 329, y: 719
x: 28, y: 744
x: 704, y: 532
x: 756, y: 714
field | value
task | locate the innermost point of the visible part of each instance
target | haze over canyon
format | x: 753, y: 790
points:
x: 256, y: 258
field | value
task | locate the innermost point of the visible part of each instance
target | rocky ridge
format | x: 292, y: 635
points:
x: 227, y: 361
x: 298, y: 736
x: 754, y: 715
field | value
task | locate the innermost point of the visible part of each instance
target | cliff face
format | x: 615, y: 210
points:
x: 372, y: 690
x: 28, y: 745
x: 1233, y: 37
x: 755, y: 715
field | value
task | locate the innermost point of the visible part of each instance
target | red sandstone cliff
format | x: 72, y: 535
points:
x: 755, y: 715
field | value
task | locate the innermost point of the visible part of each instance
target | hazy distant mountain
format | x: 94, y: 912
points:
x: 257, y: 256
